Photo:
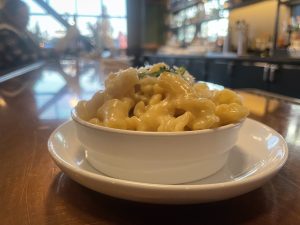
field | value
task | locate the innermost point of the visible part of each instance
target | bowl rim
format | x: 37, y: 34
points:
x: 84, y: 123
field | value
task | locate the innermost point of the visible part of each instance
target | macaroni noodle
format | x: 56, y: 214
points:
x: 160, y: 98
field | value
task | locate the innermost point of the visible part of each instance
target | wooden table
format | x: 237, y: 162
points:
x: 33, y: 190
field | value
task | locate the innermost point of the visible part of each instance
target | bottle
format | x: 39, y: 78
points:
x: 226, y: 42
x: 242, y: 29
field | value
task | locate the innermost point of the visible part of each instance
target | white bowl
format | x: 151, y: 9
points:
x: 156, y: 157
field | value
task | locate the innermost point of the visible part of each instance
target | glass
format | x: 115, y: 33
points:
x: 211, y: 7
x: 112, y: 32
x: 190, y: 33
x: 179, y: 18
x: 115, y: 7
x: 222, y: 27
x: 34, y: 7
x: 191, y: 12
x: 222, y: 2
x: 181, y: 34
x: 224, y: 13
x: 63, y: 6
x: 84, y: 23
x: 118, y: 25
x: 89, y: 7
x: 46, y: 27
x: 215, y: 28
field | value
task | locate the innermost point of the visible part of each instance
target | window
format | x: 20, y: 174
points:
x: 215, y: 28
x: 190, y: 33
x: 34, y: 7
x: 87, y: 14
x: 115, y: 7
x: 85, y: 24
x: 89, y: 7
x: 63, y: 7
x: 46, y: 27
x: 118, y: 25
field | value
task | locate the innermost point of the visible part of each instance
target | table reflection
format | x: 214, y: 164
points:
x: 59, y: 88
x: 259, y: 105
x: 293, y: 131
x: 272, y: 110
x: 3, y: 103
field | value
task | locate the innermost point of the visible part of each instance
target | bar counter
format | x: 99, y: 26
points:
x: 34, y: 191
x: 278, y: 74
x: 276, y: 59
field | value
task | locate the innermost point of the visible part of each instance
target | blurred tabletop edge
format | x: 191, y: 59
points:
x: 20, y: 71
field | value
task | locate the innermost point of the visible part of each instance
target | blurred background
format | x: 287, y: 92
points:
x: 235, y: 43
x: 169, y: 26
x: 209, y: 25
x: 49, y: 20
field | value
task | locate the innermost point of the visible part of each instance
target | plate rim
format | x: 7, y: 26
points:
x: 171, y: 187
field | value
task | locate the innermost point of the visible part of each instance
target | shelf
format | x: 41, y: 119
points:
x: 184, y: 5
x: 196, y: 23
x: 231, y: 4
x: 179, y: 15
x: 242, y: 4
x: 291, y: 2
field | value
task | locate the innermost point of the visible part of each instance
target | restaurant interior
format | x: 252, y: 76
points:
x: 237, y: 44
x: 59, y: 55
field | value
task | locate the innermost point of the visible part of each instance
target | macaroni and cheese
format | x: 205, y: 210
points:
x: 160, y: 98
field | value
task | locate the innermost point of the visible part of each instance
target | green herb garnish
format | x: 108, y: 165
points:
x: 174, y: 70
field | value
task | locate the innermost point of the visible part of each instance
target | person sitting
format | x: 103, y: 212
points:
x: 17, y: 45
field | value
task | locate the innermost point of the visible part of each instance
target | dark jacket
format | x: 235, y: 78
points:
x: 16, y: 48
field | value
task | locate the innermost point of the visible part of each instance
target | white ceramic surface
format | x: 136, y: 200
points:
x: 156, y: 157
x: 258, y: 155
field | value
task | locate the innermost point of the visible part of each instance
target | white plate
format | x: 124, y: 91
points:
x: 260, y: 152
